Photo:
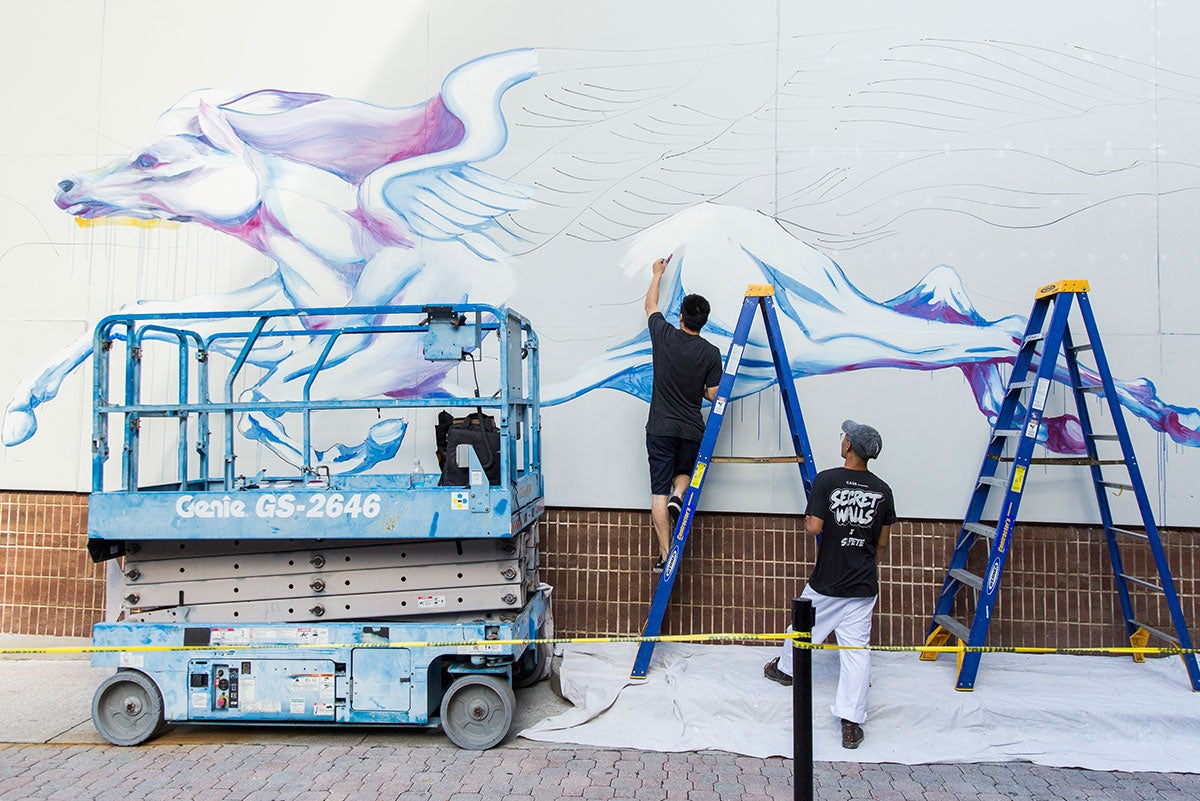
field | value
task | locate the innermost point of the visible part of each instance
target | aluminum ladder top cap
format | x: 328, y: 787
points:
x: 1076, y: 285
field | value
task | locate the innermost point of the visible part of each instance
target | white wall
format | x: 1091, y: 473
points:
x: 1017, y: 147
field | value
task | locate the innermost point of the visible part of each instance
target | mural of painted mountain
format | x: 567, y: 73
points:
x: 831, y: 326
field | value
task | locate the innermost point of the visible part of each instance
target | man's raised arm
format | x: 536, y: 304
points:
x: 658, y: 268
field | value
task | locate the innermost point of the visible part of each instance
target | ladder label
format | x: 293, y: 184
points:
x: 1002, y: 541
x: 1040, y: 394
x: 698, y: 474
x: 993, y: 576
x: 719, y: 406
x: 685, y: 521
x: 735, y: 358
x: 1031, y: 428
x: 672, y: 560
x: 1018, y: 479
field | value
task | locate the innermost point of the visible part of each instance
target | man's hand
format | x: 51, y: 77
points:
x: 658, y: 268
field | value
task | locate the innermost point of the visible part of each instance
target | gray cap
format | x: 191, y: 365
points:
x: 864, y: 439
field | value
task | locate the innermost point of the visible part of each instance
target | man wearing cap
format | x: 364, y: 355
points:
x: 852, y: 510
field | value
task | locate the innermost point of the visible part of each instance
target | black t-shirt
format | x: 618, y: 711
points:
x: 684, y: 366
x: 854, y: 505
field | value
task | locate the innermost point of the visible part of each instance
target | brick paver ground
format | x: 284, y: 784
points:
x: 240, y: 772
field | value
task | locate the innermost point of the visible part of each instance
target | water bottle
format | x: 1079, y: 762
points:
x: 418, y: 474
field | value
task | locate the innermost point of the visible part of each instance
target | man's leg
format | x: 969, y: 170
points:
x: 821, y: 627
x: 685, y: 462
x: 662, y: 525
x: 854, y: 677
x: 675, y: 502
x: 660, y: 453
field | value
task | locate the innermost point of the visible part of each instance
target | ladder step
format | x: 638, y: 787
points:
x: 1021, y: 384
x: 1137, y: 534
x: 1162, y: 635
x: 967, y: 577
x: 1032, y: 338
x: 953, y: 626
x: 982, y: 529
x: 993, y: 481
x: 1104, y: 437
x: 1115, y: 485
x: 1069, y: 461
x: 1147, y: 584
x: 758, y: 459
x: 1080, y: 348
x: 1007, y: 432
x: 1090, y: 388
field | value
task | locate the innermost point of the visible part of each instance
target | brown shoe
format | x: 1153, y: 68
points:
x: 852, y: 734
x: 771, y: 671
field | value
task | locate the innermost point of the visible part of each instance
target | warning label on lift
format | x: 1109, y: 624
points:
x: 301, y: 635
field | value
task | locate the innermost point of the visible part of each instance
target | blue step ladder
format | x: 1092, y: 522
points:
x: 758, y: 296
x: 1019, y: 421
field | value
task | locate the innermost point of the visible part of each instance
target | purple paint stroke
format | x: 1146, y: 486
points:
x: 347, y: 137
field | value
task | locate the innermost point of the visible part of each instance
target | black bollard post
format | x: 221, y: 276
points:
x: 803, y: 618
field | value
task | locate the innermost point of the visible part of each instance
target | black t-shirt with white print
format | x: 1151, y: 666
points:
x: 854, y: 505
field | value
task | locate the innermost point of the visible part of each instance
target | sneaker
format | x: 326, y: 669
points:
x: 658, y: 566
x: 852, y: 734
x: 674, y: 509
x: 771, y: 671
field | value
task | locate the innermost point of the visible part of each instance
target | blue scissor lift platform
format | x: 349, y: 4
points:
x: 269, y: 582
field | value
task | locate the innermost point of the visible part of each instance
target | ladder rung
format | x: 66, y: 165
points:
x: 1079, y: 348
x: 1007, y: 432
x: 994, y: 481
x: 1029, y: 340
x: 758, y: 459
x: 1162, y: 635
x: 953, y: 626
x: 1147, y: 584
x: 1090, y: 388
x: 1115, y: 485
x: 982, y: 529
x: 1104, y: 437
x: 1068, y: 461
x: 1139, y: 535
x: 967, y: 577
x: 1021, y: 385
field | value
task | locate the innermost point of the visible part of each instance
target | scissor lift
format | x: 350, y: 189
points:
x: 291, y: 593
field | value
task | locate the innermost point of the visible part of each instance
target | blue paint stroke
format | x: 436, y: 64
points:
x: 830, y: 326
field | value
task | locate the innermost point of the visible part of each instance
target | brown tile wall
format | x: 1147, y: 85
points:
x: 739, y: 573
x: 48, y: 584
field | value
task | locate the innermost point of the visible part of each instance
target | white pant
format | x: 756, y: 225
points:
x: 850, y: 619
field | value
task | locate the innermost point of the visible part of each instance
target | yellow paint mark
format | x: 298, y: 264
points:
x: 128, y: 222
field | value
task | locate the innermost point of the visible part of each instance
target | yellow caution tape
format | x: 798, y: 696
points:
x: 800, y: 640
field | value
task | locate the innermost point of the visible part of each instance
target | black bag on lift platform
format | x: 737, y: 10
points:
x: 477, y: 430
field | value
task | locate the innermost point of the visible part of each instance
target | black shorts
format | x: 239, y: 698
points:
x: 669, y: 457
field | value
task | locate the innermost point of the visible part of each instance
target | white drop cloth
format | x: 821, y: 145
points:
x: 1104, y: 713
